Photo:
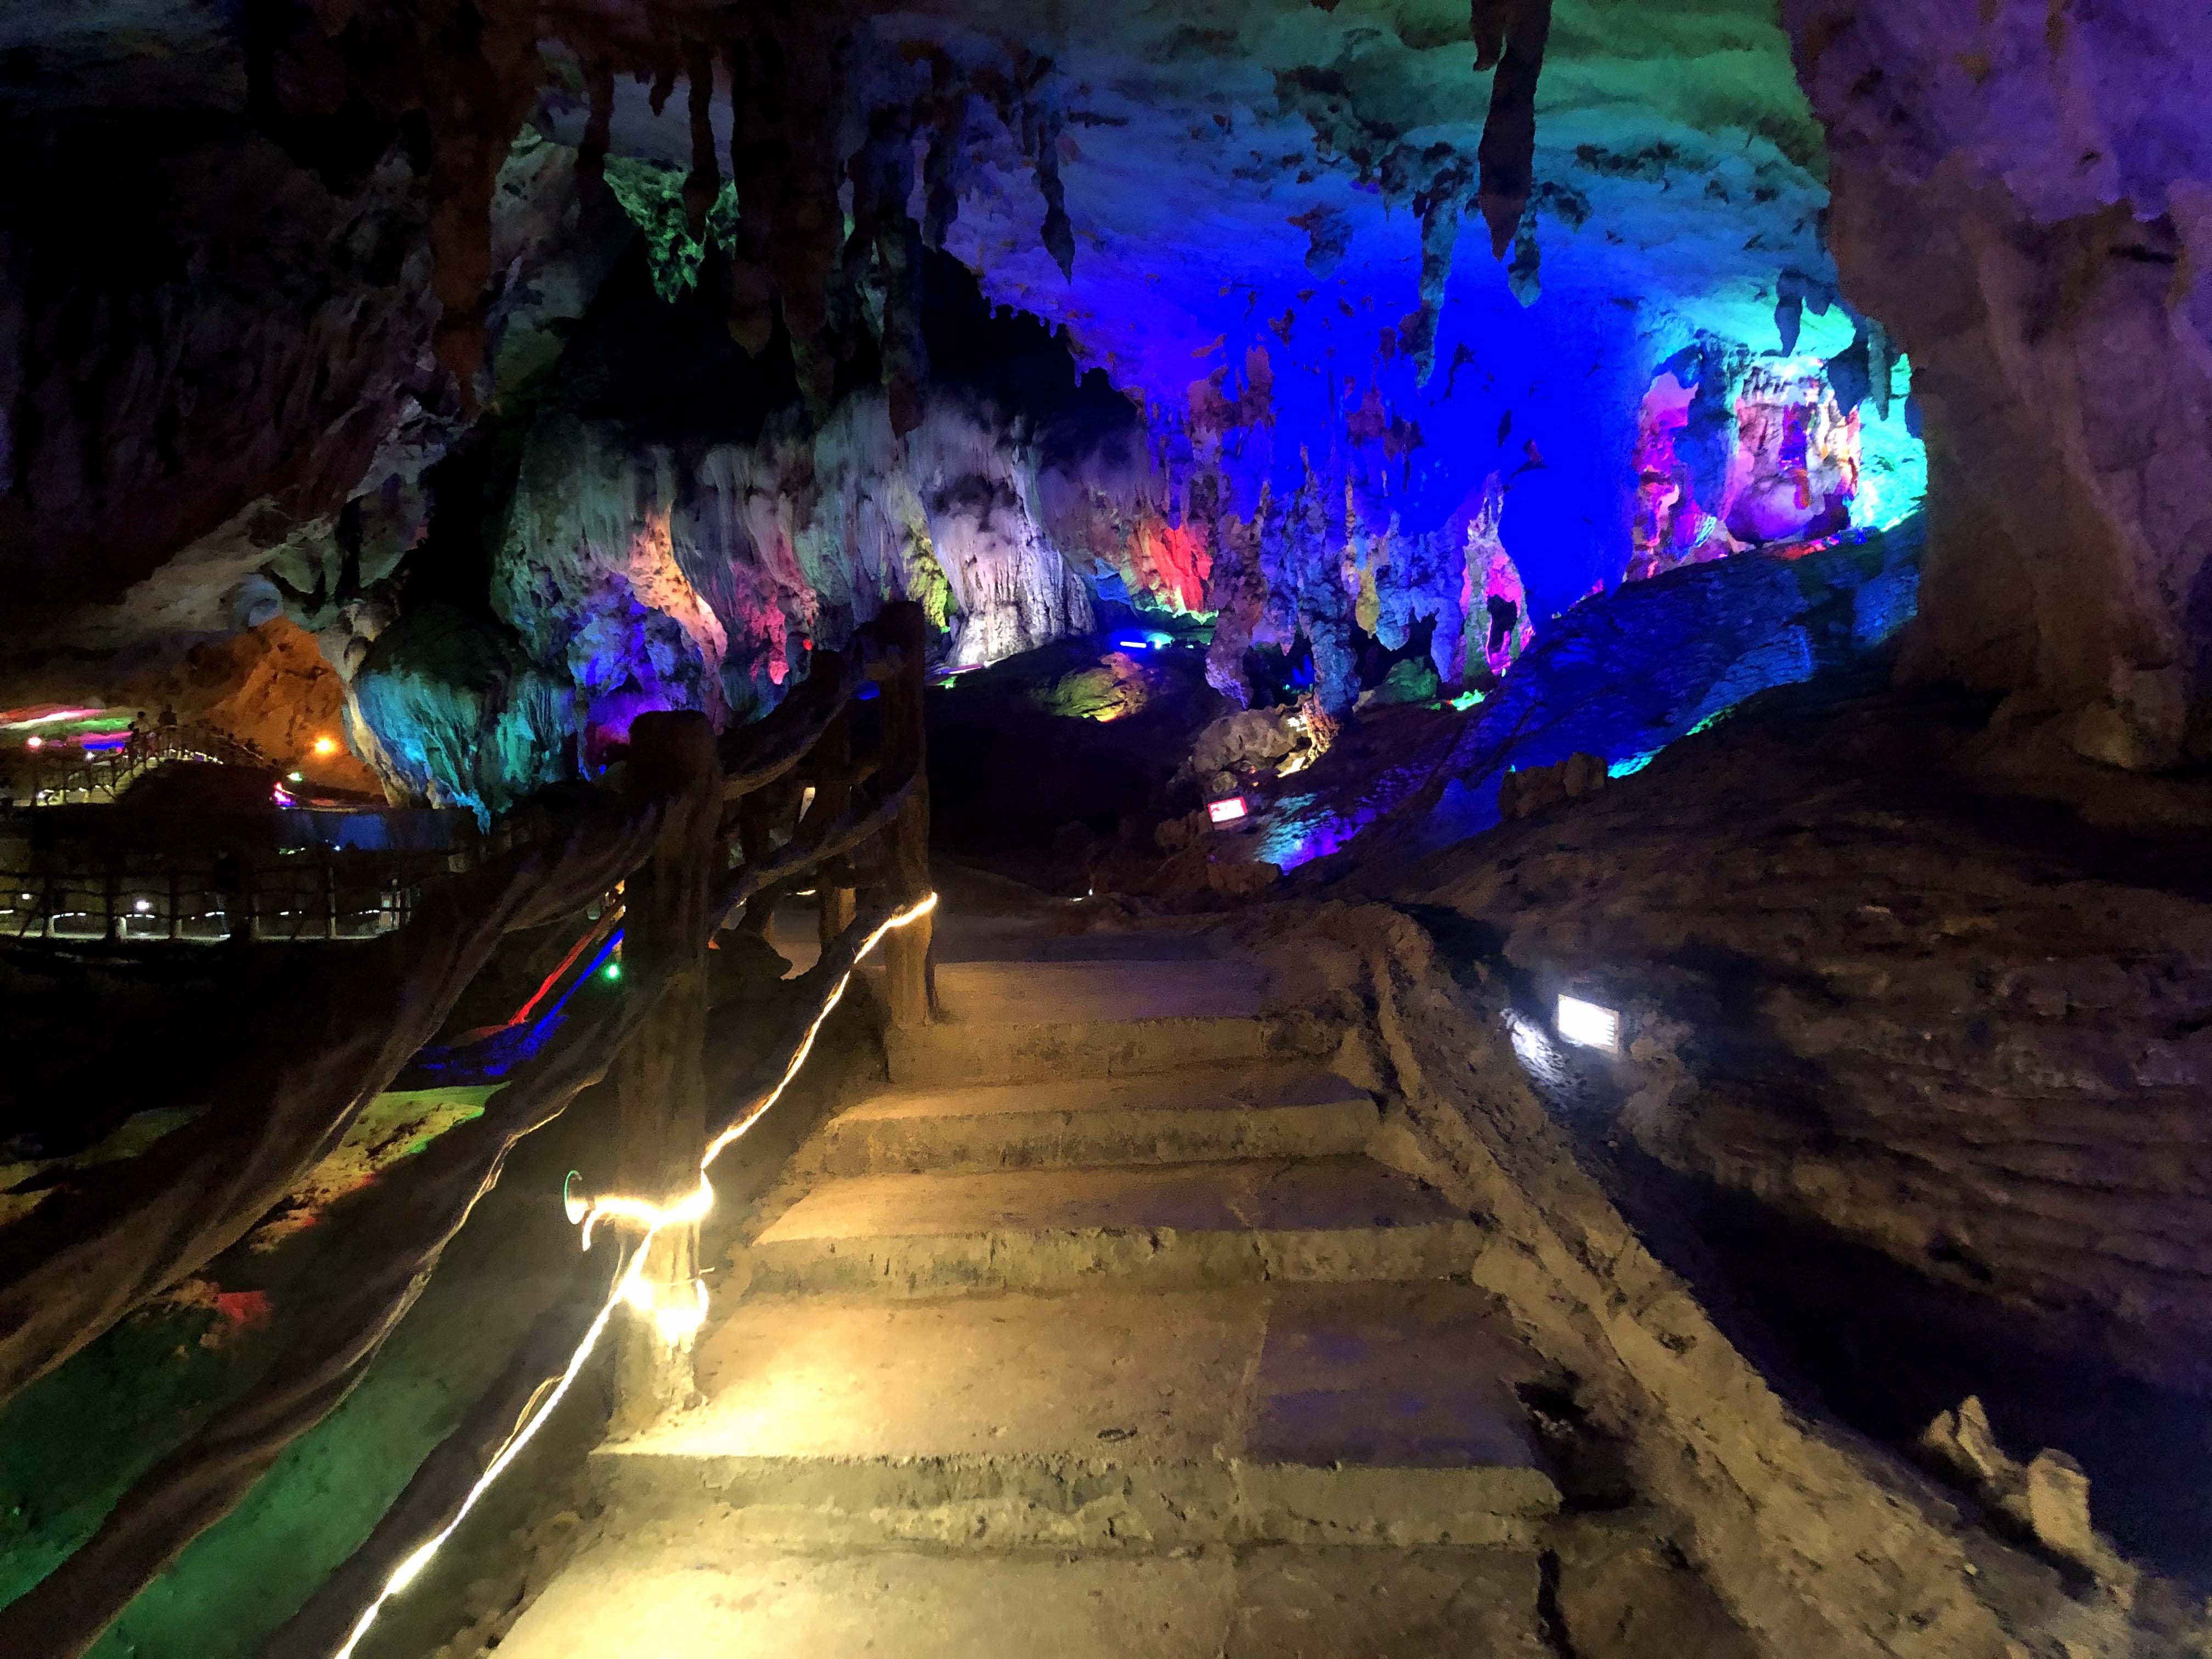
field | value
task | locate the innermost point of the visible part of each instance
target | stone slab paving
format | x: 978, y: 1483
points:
x: 1096, y: 1333
x: 1234, y: 1111
x: 1054, y: 1229
x: 652, y: 1598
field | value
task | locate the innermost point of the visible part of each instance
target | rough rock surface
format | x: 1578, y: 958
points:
x: 1621, y: 675
x: 185, y: 439
x: 2021, y: 198
x: 1951, y: 1029
x: 268, y: 686
x: 1816, y: 1541
x: 746, y: 553
x: 2047, y: 1498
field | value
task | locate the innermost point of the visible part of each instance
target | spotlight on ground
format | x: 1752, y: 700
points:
x: 1228, y: 810
x: 1589, y: 1026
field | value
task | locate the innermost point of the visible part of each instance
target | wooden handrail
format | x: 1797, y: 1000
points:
x: 672, y: 833
x: 800, y: 797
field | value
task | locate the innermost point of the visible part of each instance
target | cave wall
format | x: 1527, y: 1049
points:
x: 371, y: 232
x: 2021, y: 195
x: 1898, y: 1018
x: 644, y: 577
x: 217, y: 401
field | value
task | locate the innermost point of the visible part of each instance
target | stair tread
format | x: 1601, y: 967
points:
x: 1097, y: 992
x: 1403, y: 1376
x: 1324, y: 1194
x: 1279, y: 1602
x: 1234, y: 1087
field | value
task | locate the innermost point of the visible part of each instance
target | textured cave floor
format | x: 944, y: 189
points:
x: 1840, y: 1326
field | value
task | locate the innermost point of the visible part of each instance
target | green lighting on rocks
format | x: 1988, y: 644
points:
x: 652, y: 196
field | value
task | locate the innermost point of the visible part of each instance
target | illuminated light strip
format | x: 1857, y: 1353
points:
x: 612, y: 914
x: 673, y: 1324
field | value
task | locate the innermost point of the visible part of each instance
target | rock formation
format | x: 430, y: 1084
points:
x: 2020, y: 200
x: 1325, y: 388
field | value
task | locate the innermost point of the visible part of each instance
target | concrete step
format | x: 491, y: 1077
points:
x: 632, y: 1598
x: 1230, y: 1222
x: 1204, y: 1112
x: 1311, y: 1414
x: 1026, y: 1022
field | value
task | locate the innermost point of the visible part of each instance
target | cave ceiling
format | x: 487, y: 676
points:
x: 1274, y: 225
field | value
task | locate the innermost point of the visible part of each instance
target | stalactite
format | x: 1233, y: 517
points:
x: 482, y: 73
x: 883, y: 179
x: 1794, y: 290
x: 1059, y: 233
x: 941, y: 161
x: 1486, y: 24
x: 1525, y: 276
x: 1508, y: 151
x: 704, y: 182
x: 753, y: 294
x: 1440, y: 235
x: 808, y: 224
x: 592, y: 153
x: 1884, y: 354
x: 1851, y: 372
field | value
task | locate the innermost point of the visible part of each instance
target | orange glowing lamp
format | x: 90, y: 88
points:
x: 326, y: 745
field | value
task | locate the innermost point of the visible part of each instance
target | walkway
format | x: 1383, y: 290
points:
x: 1096, y: 1334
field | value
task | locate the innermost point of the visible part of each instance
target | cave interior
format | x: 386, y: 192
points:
x: 1502, y: 714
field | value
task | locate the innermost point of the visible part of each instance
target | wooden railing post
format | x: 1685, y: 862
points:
x: 832, y: 771
x: 839, y: 906
x: 907, y: 981
x: 660, y: 1076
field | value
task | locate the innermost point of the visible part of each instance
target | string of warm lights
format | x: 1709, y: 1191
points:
x: 674, y: 1322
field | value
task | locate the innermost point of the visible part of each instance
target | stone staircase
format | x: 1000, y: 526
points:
x: 1097, y: 1333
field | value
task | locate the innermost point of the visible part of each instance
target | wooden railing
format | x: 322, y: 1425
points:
x: 832, y: 785
x: 143, y: 895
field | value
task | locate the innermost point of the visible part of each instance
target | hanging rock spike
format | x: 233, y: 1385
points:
x: 704, y: 181
x: 1508, y: 151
